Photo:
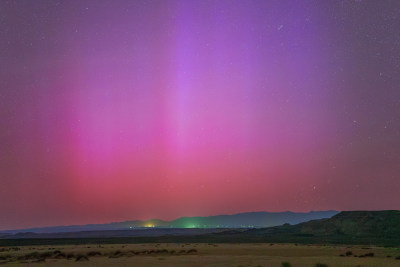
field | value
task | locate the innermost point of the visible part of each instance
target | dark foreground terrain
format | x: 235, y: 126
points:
x: 211, y: 254
x: 356, y: 238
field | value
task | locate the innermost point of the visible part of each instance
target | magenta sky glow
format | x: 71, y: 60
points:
x: 117, y: 110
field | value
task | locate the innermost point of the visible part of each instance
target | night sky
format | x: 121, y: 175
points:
x: 119, y: 110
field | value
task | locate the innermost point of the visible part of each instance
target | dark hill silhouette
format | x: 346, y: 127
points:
x: 385, y: 224
x: 347, y: 227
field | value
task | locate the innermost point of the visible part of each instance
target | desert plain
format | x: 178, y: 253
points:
x: 200, y: 254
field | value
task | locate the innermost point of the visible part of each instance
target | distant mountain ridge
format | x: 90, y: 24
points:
x: 240, y: 220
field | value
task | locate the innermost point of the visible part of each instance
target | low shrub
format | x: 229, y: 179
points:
x: 46, y: 254
x: 93, y: 253
x: 5, y: 257
x: 81, y: 257
x: 60, y: 255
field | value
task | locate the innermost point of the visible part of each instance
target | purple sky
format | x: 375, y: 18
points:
x: 117, y: 110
